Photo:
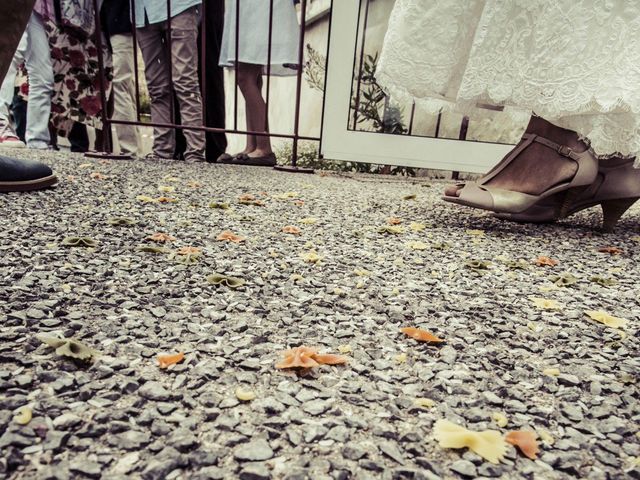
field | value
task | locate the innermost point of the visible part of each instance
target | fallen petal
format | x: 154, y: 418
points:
x: 525, y: 441
x: 421, y: 335
x: 165, y: 361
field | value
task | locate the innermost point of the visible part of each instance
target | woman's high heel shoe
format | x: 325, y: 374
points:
x: 616, y: 188
x: 483, y: 196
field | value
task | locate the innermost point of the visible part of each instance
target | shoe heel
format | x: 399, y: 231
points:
x: 612, y: 210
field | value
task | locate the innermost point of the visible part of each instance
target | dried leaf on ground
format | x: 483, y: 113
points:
x: 418, y: 245
x: 477, y: 264
x: 391, y: 229
x: 246, y: 197
x: 228, y: 236
x: 189, y: 251
x: 79, y: 242
x: 161, y: 237
x: 421, y: 335
x: 98, y: 176
x: 256, y: 203
x: 220, y: 205
x: 489, y: 444
x: 219, y: 279
x: 545, y: 303
x: 611, y: 250
x: 526, y: 442
x: 311, y: 257
x: 543, y: 261
x: 291, y: 229
x: 167, y: 360
x: 151, y: 249
x: 604, y: 281
x: 68, y: 347
x: 394, y: 221
x: 166, y: 200
x: 564, y: 279
x: 121, y: 221
x: 307, y: 357
x: 606, y: 319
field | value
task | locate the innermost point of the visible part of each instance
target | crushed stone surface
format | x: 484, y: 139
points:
x: 342, y: 286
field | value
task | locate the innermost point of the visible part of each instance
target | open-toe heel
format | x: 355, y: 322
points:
x: 616, y: 188
x: 483, y: 196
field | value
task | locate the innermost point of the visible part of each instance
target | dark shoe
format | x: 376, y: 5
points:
x: 230, y: 159
x: 24, y: 175
x: 264, y: 161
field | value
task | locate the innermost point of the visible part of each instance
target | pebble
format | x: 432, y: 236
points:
x: 255, y: 450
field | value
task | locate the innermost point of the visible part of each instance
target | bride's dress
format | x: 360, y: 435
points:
x: 573, y: 62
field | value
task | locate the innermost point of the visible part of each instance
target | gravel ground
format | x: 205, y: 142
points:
x: 124, y: 417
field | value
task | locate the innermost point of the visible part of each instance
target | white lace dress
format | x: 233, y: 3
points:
x: 573, y: 62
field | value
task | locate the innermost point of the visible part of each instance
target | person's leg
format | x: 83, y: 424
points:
x: 18, y: 175
x: 8, y: 135
x: 250, y: 81
x: 124, y: 91
x: 40, y: 70
x: 156, y: 60
x: 79, y: 138
x: 184, y: 58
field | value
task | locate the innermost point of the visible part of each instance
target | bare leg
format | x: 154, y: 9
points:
x: 250, y: 86
x: 538, y: 167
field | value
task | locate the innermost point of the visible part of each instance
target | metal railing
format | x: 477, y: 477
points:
x: 294, y: 135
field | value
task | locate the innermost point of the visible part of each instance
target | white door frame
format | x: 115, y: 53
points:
x: 340, y: 143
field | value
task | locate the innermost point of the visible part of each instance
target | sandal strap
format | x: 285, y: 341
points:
x: 561, y: 149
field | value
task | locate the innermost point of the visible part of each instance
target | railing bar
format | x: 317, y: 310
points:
x: 237, y: 66
x: 266, y: 111
x: 134, y: 39
x: 364, y: 37
x: 296, y: 125
x: 413, y: 112
x: 106, y: 126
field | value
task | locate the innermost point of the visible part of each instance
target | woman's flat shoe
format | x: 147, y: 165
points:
x: 263, y: 161
x: 616, y: 188
x: 480, y: 195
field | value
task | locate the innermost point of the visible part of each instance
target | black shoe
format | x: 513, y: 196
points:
x: 264, y: 161
x: 24, y: 175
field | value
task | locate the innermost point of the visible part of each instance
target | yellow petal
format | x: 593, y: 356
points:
x: 23, y: 415
x: 424, y: 403
x: 606, y: 319
x: 245, y: 394
x: 489, y: 444
x: 401, y: 358
x: 417, y: 227
x: 551, y: 372
x: 546, y: 304
x: 417, y: 245
x: 500, y: 419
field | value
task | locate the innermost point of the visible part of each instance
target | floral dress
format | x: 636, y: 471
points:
x: 74, y: 56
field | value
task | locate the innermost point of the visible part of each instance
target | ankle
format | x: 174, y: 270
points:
x: 562, y: 136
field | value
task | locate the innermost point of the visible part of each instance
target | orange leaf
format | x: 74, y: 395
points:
x: 98, y: 176
x: 542, y: 261
x: 611, y: 250
x: 166, y: 200
x: 165, y: 360
x: 230, y: 237
x: 330, y: 359
x: 161, y: 237
x: 246, y: 197
x: 291, y: 229
x: 394, y: 221
x: 189, y: 251
x: 421, y: 335
x: 525, y: 441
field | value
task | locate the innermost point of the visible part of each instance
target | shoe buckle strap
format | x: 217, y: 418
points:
x: 561, y: 149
